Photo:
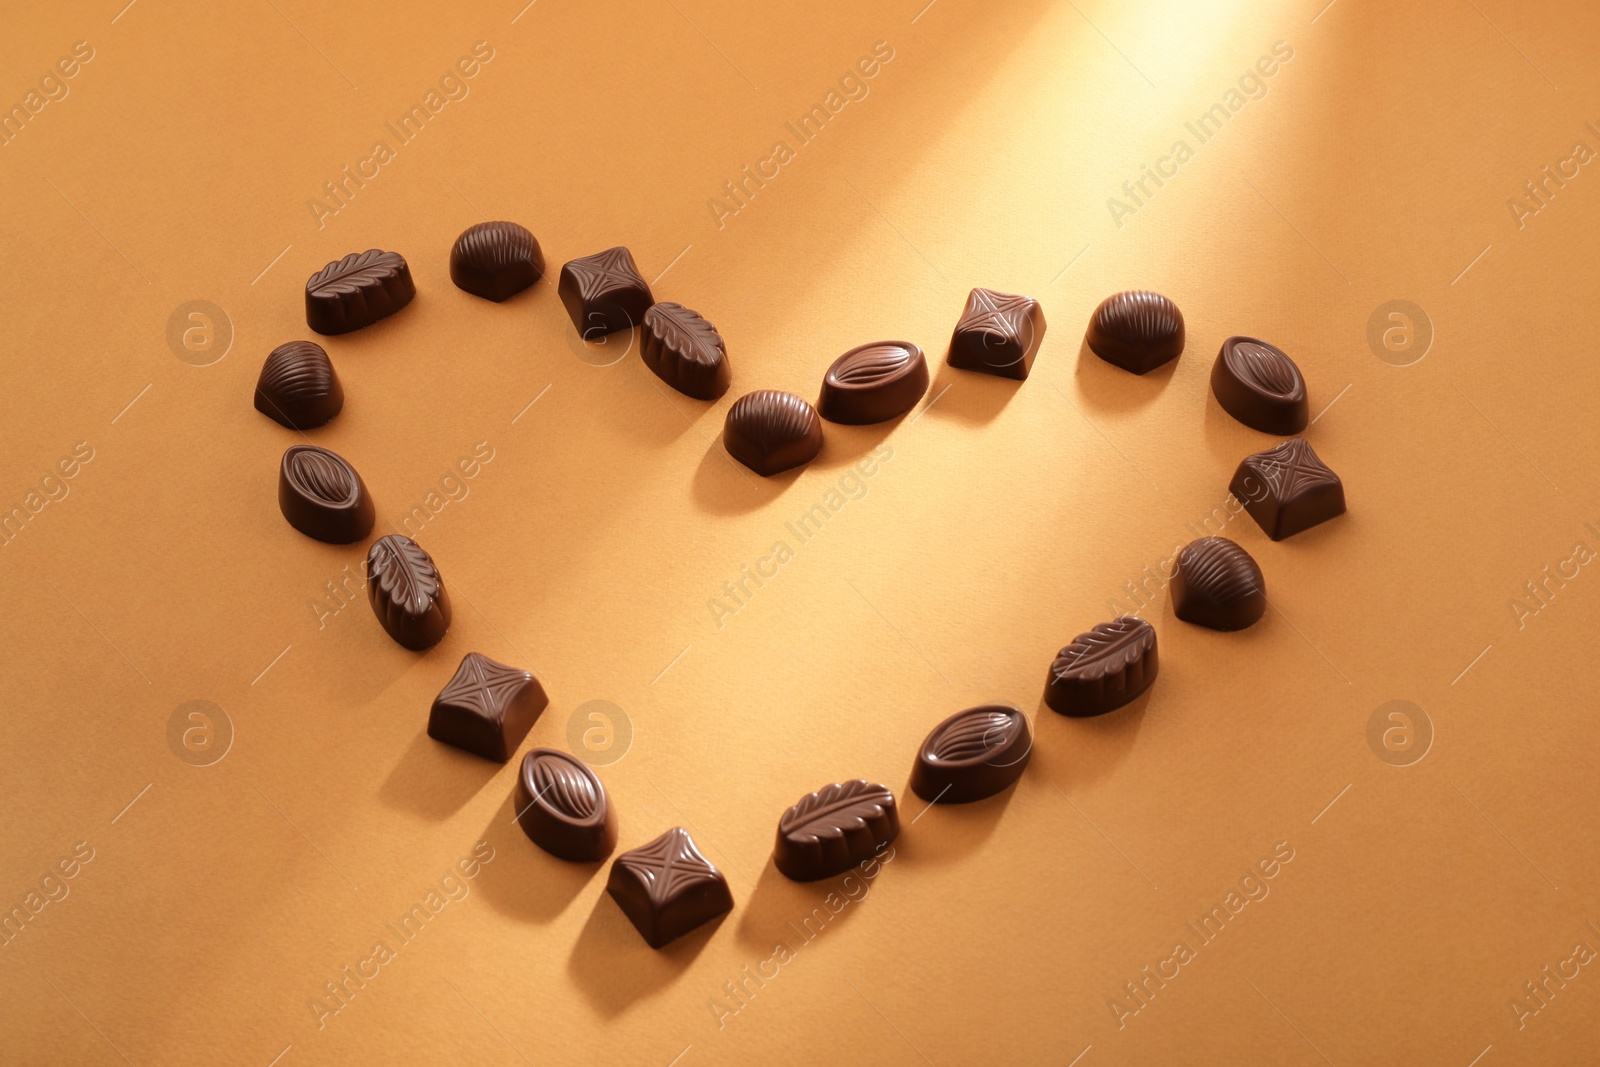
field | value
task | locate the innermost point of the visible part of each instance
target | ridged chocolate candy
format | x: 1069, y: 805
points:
x: 298, y: 387
x: 1288, y: 489
x: 835, y: 828
x: 496, y: 260
x: 1217, y: 584
x: 1259, y: 385
x: 406, y: 592
x: 322, y: 496
x: 1136, y: 330
x: 563, y: 808
x: 973, y: 754
x: 770, y: 431
x: 1103, y: 669
x: 874, y: 383
x: 357, y: 291
x: 685, y: 351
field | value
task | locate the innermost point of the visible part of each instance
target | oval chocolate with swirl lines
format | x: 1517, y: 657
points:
x: 685, y: 351
x: 1217, y: 584
x: 835, y: 828
x: 874, y: 383
x: 322, y: 496
x: 1260, y: 386
x: 770, y: 430
x: 406, y: 592
x: 496, y: 260
x: 1103, y: 669
x: 1137, y: 330
x: 563, y: 808
x: 298, y: 387
x: 973, y: 754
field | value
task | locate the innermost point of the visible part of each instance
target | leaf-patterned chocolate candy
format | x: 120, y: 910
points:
x: 973, y: 754
x: 770, y: 431
x: 873, y: 383
x: 685, y: 351
x: 298, y: 387
x: 563, y: 808
x: 406, y: 592
x: 357, y: 291
x: 496, y: 260
x: 667, y: 888
x: 835, y: 828
x: 322, y: 496
x: 487, y: 708
x: 1259, y: 385
x: 1103, y: 669
x: 1217, y: 584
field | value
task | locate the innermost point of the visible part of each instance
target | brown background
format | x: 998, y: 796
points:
x: 1377, y: 167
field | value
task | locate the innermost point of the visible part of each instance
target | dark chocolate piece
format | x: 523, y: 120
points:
x: 406, y: 592
x: 604, y: 293
x: 563, y: 808
x: 487, y: 708
x: 874, y: 383
x: 357, y: 291
x: 685, y: 351
x: 1288, y: 489
x: 322, y: 496
x: 1103, y: 669
x: 1260, y: 386
x: 998, y: 334
x: 835, y: 828
x: 770, y: 431
x: 298, y: 387
x: 1137, y: 330
x: 667, y: 888
x: 496, y: 260
x: 973, y: 754
x: 1218, y: 584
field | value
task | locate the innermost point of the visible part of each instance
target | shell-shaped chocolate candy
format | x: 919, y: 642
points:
x: 322, y: 496
x: 685, y: 351
x: 1103, y: 669
x: 496, y: 260
x: 563, y: 808
x: 770, y: 430
x: 406, y: 592
x: 298, y: 387
x: 874, y: 383
x: 357, y: 291
x: 604, y: 293
x: 1260, y: 386
x: 973, y: 754
x: 835, y: 828
x: 1136, y: 330
x: 1218, y: 584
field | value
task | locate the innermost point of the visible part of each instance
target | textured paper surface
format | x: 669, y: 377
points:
x: 1374, y: 164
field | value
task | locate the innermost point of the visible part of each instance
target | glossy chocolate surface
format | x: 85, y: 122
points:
x: 1103, y: 669
x: 487, y: 708
x: 830, y: 831
x: 496, y: 260
x: 1259, y: 385
x: 973, y: 754
x: 1218, y: 584
x: 667, y: 888
x: 1136, y: 330
x: 998, y: 334
x: 406, y: 592
x: 1288, y: 489
x: 685, y: 351
x: 604, y: 293
x: 357, y: 291
x: 563, y: 808
x: 873, y: 383
x: 322, y: 496
x: 771, y: 431
x: 298, y: 387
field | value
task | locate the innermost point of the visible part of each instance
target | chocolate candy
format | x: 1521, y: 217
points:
x: 604, y: 292
x: 322, y: 496
x: 667, y: 888
x: 562, y: 807
x: 835, y: 828
x: 998, y: 334
x: 1103, y: 669
x: 1260, y: 386
x: 406, y: 592
x: 298, y: 387
x: 357, y: 291
x: 874, y: 383
x: 496, y: 260
x: 1218, y: 584
x: 973, y: 754
x: 1288, y: 489
x: 685, y: 351
x: 487, y: 708
x: 1137, y: 330
x: 770, y: 431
